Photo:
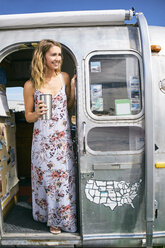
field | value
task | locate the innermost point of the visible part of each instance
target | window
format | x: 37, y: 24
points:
x: 15, y: 98
x: 114, y: 85
x: 106, y: 139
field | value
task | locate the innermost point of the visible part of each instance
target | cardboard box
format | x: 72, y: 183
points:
x: 8, y: 161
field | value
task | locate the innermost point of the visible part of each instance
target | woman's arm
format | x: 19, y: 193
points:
x: 70, y: 89
x: 30, y: 114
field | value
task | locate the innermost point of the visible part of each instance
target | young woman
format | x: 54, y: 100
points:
x: 53, y: 172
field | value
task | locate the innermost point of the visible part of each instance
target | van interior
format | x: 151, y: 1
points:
x: 17, y: 215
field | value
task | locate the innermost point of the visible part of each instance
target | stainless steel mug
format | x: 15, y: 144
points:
x: 47, y: 99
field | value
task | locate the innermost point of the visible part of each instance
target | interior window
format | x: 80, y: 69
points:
x: 114, y: 83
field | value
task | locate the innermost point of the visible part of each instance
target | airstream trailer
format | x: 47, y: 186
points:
x: 117, y: 128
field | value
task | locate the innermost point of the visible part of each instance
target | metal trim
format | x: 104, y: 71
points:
x: 149, y: 129
x: 114, y: 166
x: 121, y: 236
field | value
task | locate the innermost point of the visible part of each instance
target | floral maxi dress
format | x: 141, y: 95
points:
x: 53, y: 172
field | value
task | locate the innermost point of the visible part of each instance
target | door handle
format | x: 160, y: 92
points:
x: 84, y: 141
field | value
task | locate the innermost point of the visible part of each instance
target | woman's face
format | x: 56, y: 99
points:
x: 53, y: 58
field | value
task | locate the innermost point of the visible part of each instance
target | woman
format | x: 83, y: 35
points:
x: 53, y: 173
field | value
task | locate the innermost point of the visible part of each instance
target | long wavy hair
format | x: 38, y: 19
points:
x: 38, y: 65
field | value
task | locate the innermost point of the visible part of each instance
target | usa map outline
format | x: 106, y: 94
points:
x: 111, y: 194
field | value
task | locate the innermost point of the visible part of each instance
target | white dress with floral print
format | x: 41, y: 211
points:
x: 53, y: 172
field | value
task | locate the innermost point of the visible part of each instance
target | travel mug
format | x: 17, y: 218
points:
x: 47, y: 99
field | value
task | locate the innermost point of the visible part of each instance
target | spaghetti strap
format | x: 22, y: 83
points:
x: 61, y: 79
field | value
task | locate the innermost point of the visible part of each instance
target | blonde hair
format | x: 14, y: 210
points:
x: 38, y: 66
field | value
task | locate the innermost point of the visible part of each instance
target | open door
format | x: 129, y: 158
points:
x: 18, y: 225
x: 112, y: 149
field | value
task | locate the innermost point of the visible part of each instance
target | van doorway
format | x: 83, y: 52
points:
x: 17, y: 211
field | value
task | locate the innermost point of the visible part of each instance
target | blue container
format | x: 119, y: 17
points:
x: 3, y: 78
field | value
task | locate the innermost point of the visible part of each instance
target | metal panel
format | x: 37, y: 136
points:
x: 158, y: 63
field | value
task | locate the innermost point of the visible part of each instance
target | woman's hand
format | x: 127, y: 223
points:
x: 40, y: 109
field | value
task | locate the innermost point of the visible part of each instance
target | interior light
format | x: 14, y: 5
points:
x: 34, y: 44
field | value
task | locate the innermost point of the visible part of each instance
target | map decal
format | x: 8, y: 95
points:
x: 111, y: 194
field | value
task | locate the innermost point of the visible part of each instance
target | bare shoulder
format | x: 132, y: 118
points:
x: 29, y: 86
x: 66, y: 77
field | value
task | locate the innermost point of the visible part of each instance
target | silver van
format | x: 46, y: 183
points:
x: 117, y: 128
